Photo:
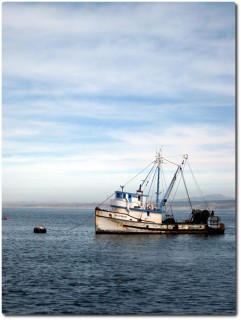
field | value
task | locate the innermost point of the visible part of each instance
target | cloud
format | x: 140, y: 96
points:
x: 118, y: 48
x: 95, y: 88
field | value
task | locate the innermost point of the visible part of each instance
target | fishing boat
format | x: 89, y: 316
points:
x: 141, y: 212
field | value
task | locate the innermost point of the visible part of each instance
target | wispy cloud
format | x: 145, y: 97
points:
x: 94, y: 87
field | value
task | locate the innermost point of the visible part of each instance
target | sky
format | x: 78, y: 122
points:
x: 91, y: 91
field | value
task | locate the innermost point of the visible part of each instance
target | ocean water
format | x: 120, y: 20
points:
x: 71, y: 270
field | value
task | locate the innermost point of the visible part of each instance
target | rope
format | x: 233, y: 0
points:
x: 170, y: 206
x: 151, y: 188
x: 148, y: 175
x: 127, y: 183
x: 170, y: 162
x: 107, y: 198
x: 186, y: 188
x: 64, y: 230
x: 175, y: 191
x: 139, y: 173
x: 90, y: 216
x: 198, y: 186
x: 76, y: 226
x: 164, y: 184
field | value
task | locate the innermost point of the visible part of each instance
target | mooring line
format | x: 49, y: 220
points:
x: 81, y: 224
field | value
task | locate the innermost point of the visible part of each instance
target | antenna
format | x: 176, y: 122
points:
x: 122, y: 187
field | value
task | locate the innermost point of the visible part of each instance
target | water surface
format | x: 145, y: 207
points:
x: 71, y: 270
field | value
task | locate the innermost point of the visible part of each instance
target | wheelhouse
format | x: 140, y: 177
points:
x: 129, y: 196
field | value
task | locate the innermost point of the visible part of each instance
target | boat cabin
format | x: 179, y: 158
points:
x: 130, y: 200
x: 131, y: 197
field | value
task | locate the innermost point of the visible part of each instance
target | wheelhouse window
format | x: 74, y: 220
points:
x: 118, y: 194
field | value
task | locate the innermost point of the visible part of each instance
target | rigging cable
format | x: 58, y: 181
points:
x: 147, y: 175
x: 154, y: 183
x: 175, y: 191
x: 171, y: 162
x: 139, y: 173
x: 197, y: 185
x: 153, y: 178
x: 186, y: 188
x: 164, y: 184
x: 177, y: 187
x: 127, y: 183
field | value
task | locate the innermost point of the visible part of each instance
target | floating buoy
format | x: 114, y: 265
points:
x: 40, y: 229
x: 5, y: 218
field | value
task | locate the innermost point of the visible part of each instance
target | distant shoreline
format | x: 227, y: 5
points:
x: 60, y: 206
x: 178, y: 205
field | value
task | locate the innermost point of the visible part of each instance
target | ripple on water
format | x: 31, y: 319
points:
x: 78, y: 272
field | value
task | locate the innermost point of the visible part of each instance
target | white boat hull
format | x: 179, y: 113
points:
x: 107, y: 222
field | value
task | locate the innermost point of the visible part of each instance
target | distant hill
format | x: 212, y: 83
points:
x: 35, y: 204
x: 217, y: 201
x: 178, y: 204
x: 209, y: 197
